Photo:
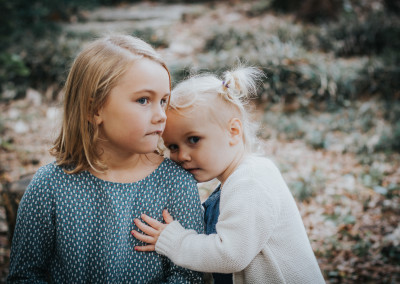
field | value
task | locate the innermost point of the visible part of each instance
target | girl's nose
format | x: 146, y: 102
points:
x: 159, y: 115
x: 183, y: 156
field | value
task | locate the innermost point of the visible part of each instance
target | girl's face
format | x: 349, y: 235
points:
x: 133, y: 117
x: 200, y: 145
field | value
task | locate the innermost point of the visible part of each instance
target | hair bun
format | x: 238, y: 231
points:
x: 241, y: 83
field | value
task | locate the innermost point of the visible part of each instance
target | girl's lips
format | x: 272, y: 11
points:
x: 158, y: 132
x: 192, y: 170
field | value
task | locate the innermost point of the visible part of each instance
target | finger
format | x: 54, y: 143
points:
x: 143, y: 238
x: 167, y: 217
x: 145, y: 229
x: 145, y: 248
x: 152, y: 222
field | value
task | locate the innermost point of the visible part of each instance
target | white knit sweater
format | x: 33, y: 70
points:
x: 260, y: 235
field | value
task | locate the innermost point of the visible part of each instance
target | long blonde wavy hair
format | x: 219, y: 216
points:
x: 94, y: 72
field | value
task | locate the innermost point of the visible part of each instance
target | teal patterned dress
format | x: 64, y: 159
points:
x: 76, y: 228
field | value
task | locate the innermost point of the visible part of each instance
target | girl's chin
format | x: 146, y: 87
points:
x: 202, y: 179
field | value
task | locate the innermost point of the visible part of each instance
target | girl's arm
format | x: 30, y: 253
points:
x: 33, y: 240
x: 248, y: 217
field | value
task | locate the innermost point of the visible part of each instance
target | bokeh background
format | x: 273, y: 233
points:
x: 329, y: 107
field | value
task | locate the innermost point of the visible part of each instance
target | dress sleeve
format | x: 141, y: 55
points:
x: 185, y: 206
x: 247, y: 219
x: 33, y: 240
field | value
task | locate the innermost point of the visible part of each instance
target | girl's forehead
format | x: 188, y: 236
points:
x: 196, y: 118
x: 180, y: 116
x: 189, y: 113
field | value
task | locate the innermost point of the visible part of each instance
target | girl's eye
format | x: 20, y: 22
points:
x: 173, y: 148
x: 164, y: 102
x: 143, y: 101
x: 193, y: 139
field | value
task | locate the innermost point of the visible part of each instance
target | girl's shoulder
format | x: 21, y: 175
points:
x: 172, y: 171
x: 47, y: 174
x: 258, y: 165
x: 42, y: 181
x: 49, y: 171
x: 170, y: 167
x: 255, y: 169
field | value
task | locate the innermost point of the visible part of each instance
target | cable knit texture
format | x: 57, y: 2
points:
x: 260, y: 235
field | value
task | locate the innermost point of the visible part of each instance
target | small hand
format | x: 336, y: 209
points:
x: 152, y: 232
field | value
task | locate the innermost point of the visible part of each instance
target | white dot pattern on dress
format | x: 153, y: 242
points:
x: 76, y: 228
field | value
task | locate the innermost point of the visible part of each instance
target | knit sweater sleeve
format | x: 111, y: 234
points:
x: 248, y: 215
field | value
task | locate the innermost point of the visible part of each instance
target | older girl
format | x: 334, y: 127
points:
x: 75, y: 218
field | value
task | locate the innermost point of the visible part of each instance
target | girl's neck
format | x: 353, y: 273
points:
x: 237, y: 160
x: 130, y: 170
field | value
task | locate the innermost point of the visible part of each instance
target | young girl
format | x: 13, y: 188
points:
x: 259, y: 236
x: 75, y: 218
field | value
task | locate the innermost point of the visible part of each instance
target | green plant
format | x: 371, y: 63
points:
x: 50, y: 59
x: 316, y: 139
x: 13, y: 72
x: 259, y: 7
x: 150, y: 36
x: 362, y: 248
x: 305, y: 187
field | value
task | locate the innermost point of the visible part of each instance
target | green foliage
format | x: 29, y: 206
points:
x: 361, y: 248
x: 228, y: 39
x: 306, y: 187
x: 307, y: 66
x: 259, y: 7
x: 22, y: 21
x: 373, y: 178
x: 13, y: 72
x: 374, y: 34
x: 35, y: 16
x: 316, y: 139
x: 150, y: 36
x: 391, y: 253
x: 390, y: 138
x: 288, y: 126
x: 286, y: 5
x: 2, y: 126
x: 362, y: 128
x: 46, y: 62
x: 178, y: 73
x: 292, y: 72
x: 310, y: 10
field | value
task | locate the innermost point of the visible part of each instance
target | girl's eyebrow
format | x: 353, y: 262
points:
x: 151, y: 92
x: 192, y: 133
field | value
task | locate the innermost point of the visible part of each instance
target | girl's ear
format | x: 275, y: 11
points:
x: 235, y: 131
x: 97, y: 119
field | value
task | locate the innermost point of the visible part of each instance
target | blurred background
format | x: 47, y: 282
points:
x: 329, y: 107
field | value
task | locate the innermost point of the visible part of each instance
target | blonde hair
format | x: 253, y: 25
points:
x: 222, y: 98
x: 94, y: 72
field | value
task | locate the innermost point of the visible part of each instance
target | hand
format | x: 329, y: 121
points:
x: 152, y: 232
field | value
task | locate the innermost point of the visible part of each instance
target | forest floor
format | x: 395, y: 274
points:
x: 349, y: 201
